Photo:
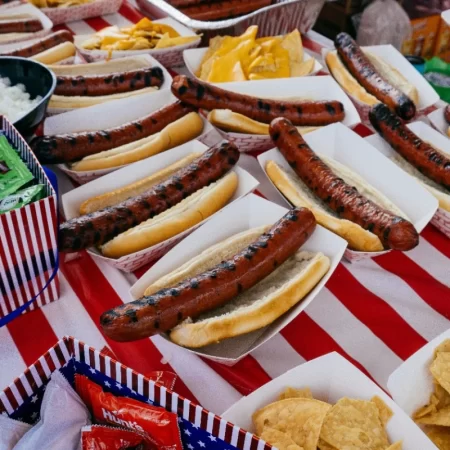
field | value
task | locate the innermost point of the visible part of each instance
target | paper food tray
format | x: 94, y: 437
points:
x: 427, y: 95
x: 338, y: 142
x: 152, y: 62
x: 411, y: 384
x: 193, y: 58
x: 112, y: 114
x: 249, y: 212
x: 22, y: 399
x: 330, y: 377
x: 78, y: 12
x: 170, y: 57
x: 47, y: 24
x: 438, y: 121
x: 72, y: 200
x: 441, y: 219
x: 309, y: 88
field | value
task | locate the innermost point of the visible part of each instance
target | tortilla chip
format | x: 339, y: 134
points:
x: 300, y: 418
x: 279, y: 439
x: 354, y: 425
x: 292, y: 42
x: 442, y: 347
x: 440, y: 437
x: 324, y: 445
x: 424, y: 411
x: 397, y: 446
x: 441, y: 418
x: 440, y: 368
x: 290, y: 392
x: 385, y: 412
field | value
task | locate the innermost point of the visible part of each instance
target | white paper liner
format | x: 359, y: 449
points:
x: 73, y: 199
x: 247, y: 213
x: 78, y: 12
x: 26, y: 9
x: 152, y: 62
x: 345, y: 146
x: 427, y: 95
x: 330, y: 378
x: 316, y: 88
x: 411, y: 384
x: 193, y: 58
x: 441, y: 219
x: 170, y: 57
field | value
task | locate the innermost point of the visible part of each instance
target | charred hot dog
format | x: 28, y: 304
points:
x: 366, y: 74
x: 447, y: 113
x: 394, y: 232
x: 206, y: 96
x: 73, y: 147
x: 114, y: 83
x: 167, y: 308
x: 421, y: 155
x: 49, y: 41
x: 101, y: 226
x: 20, y: 26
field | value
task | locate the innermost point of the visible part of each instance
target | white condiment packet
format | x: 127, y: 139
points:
x: 11, y: 431
x: 63, y: 414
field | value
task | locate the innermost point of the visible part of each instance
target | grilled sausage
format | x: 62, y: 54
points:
x: 101, y: 226
x: 366, y: 75
x: 432, y: 163
x: 64, y: 148
x: 394, y: 232
x: 114, y: 83
x: 184, y: 3
x: 167, y: 308
x: 206, y: 96
x: 20, y: 26
x: 43, y: 44
x: 447, y: 114
x: 223, y: 9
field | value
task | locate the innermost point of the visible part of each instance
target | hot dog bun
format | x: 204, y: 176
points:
x: 290, y: 185
x: 351, y: 85
x: 227, y: 120
x: 56, y: 54
x: 182, y: 130
x: 132, y: 190
x: 253, y: 309
x: 189, y: 212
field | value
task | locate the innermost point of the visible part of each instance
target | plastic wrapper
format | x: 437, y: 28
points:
x: 384, y: 22
x: 11, y: 431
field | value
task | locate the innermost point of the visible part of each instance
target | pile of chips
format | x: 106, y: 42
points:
x: 297, y: 421
x: 435, y: 417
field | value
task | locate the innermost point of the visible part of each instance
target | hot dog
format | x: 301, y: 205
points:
x: 46, y: 43
x: 393, y: 231
x: 72, y: 147
x: 421, y: 155
x: 365, y: 73
x: 206, y: 96
x: 447, y: 113
x: 170, y: 306
x: 20, y: 26
x: 102, y: 226
x: 109, y: 84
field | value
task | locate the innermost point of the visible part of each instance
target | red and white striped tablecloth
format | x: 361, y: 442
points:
x: 376, y: 313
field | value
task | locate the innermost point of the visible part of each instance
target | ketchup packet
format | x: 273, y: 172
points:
x: 98, y: 437
x: 159, y: 425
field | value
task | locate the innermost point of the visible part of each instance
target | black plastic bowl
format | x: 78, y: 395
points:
x: 38, y: 80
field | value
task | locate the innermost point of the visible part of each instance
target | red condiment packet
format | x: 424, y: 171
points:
x: 99, y: 437
x: 159, y: 425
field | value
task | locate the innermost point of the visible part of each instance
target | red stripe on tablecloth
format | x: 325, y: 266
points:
x: 245, y: 376
x: 428, y: 288
x: 311, y: 45
x: 312, y: 341
x: 97, y: 295
x: 97, y: 23
x: 130, y: 13
x: 363, y: 130
x: 437, y: 239
x: 375, y: 313
x: 33, y: 344
x: 61, y: 27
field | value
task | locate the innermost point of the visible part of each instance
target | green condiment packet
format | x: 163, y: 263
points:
x: 13, y: 171
x: 21, y: 198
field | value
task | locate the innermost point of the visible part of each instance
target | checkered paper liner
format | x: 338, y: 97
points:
x: 28, y: 240
x: 441, y: 221
x: 199, y: 428
x: 84, y: 11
